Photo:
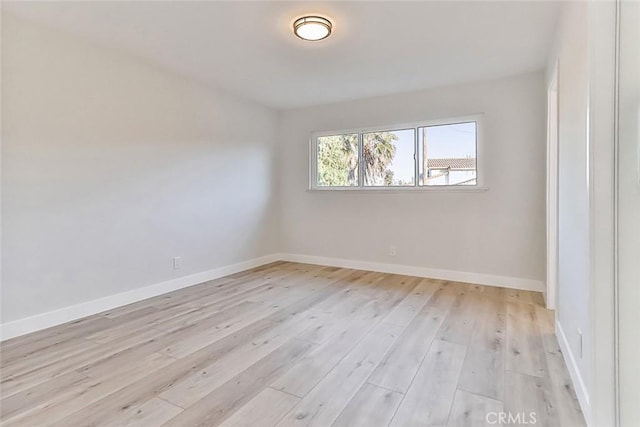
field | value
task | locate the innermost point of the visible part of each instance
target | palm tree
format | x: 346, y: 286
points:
x: 378, y: 149
x: 338, y: 158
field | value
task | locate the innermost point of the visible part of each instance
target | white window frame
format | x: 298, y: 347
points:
x: 480, y: 166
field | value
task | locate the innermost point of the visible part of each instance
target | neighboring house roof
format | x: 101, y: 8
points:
x: 452, y: 163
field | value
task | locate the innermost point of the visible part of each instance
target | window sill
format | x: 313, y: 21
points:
x: 439, y: 189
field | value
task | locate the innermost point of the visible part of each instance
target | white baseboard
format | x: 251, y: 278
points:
x: 408, y: 270
x: 574, y: 372
x: 74, y: 312
x: 56, y: 317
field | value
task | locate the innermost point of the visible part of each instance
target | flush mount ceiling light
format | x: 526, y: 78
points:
x: 312, y: 28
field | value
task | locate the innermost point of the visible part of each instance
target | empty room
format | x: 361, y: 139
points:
x: 303, y: 213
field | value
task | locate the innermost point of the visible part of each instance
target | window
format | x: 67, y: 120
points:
x: 440, y: 153
x: 337, y: 160
x: 448, y: 154
x: 388, y: 158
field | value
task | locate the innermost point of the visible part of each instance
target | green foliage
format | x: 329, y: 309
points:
x: 338, y: 159
x: 378, y: 148
x: 388, y: 177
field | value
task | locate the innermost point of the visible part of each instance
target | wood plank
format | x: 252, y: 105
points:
x: 154, y: 412
x: 190, y: 321
x: 95, y: 353
x: 483, y: 370
x: 404, y: 312
x: 205, y: 301
x: 125, y: 366
x: 564, y: 394
x: 326, y: 401
x: 527, y: 297
x: 81, y: 394
x: 220, y: 286
x: 58, y: 336
x: 218, y: 289
x: 262, y: 270
x: 376, y: 304
x: 525, y: 352
x: 261, y: 312
x: 42, y: 359
x: 430, y: 397
x: 141, y: 323
x: 459, y: 324
x: 348, y: 332
x: 37, y: 397
x: 473, y: 410
x: 531, y: 398
x: 203, y: 338
x: 386, y: 295
x: 371, y: 406
x: 235, y: 393
x: 303, y: 376
x: 397, y: 369
x: 264, y: 410
x: 138, y: 393
x: 352, y: 296
x: 177, y: 297
x: 194, y: 387
x: 374, y: 307
x: 445, y: 294
x: 318, y: 334
x: 325, y: 331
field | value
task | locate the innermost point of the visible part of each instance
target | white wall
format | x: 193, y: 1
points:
x: 629, y: 214
x: 602, y: 98
x: 573, y: 192
x: 499, y: 232
x: 111, y: 167
x: 573, y: 225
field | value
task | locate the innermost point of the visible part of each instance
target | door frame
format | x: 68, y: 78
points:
x: 551, y: 290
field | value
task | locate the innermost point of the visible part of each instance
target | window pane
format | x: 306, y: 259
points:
x: 389, y: 158
x: 337, y: 160
x: 447, y: 154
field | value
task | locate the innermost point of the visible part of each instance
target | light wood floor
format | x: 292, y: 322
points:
x: 296, y: 344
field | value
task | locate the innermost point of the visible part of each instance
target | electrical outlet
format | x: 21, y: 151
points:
x: 393, y: 251
x: 580, y: 341
x: 177, y: 263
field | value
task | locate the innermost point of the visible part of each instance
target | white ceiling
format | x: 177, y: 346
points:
x: 377, y: 48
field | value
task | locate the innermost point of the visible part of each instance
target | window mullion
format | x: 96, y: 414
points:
x: 313, y: 174
x: 416, y: 163
x: 360, y: 161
